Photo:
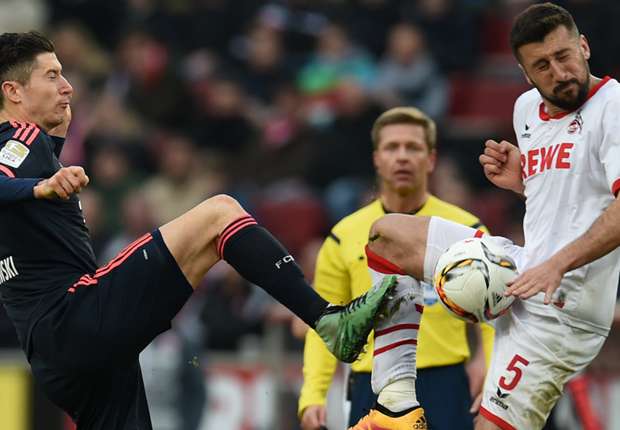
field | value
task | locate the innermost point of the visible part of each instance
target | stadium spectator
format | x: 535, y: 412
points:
x: 335, y: 59
x: 185, y: 178
x: 337, y: 165
x: 451, y: 29
x: 264, y: 63
x: 407, y: 75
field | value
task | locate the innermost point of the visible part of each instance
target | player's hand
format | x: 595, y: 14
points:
x: 475, y: 405
x: 501, y: 163
x: 314, y: 418
x: 545, y: 277
x: 65, y: 182
x: 299, y: 328
x: 61, y: 129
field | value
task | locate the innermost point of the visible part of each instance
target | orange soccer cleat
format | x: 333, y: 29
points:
x: 376, y: 420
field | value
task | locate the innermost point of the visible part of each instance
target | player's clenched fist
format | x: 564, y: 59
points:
x: 64, y: 183
x: 502, y: 165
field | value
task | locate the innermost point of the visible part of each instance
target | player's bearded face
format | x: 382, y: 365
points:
x: 558, y: 68
x: 568, y: 95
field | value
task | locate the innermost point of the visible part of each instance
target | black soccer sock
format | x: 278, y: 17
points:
x: 262, y: 260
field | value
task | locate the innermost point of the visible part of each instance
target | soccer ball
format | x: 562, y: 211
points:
x: 471, y: 277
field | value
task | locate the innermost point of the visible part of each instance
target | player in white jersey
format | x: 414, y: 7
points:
x: 567, y: 166
x: 571, y: 170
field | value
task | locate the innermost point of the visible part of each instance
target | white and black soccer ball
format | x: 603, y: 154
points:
x: 470, y: 279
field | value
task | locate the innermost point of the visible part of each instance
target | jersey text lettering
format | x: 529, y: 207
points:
x: 540, y: 159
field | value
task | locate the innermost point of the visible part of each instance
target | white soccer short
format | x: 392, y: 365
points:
x: 533, y: 355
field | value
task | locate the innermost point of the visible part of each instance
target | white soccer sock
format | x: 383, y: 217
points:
x: 394, y: 361
x: 399, y: 395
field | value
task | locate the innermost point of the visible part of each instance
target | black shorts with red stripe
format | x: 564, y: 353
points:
x: 85, y: 350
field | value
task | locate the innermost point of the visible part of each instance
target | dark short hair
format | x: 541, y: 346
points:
x: 17, y: 55
x: 405, y: 115
x: 536, y: 22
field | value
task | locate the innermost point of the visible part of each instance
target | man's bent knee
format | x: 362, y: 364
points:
x: 401, y: 239
x: 221, y: 210
x: 401, y: 229
x: 192, y: 237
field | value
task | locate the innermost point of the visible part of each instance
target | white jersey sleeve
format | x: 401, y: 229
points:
x: 609, y: 151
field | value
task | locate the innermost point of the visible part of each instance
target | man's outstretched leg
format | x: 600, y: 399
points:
x: 394, y: 250
x: 219, y: 228
x: 407, y: 247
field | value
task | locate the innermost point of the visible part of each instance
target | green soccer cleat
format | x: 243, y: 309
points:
x: 345, y: 329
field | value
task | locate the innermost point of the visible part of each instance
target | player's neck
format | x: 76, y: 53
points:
x: 594, y: 81
x: 551, y: 109
x: 408, y: 203
x: 4, y: 117
x: 10, y: 114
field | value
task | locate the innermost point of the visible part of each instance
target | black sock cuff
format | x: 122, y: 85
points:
x: 231, y: 229
x: 389, y: 413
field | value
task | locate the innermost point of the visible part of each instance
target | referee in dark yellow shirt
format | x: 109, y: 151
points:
x: 403, y: 162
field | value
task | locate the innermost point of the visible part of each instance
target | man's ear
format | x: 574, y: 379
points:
x: 11, y: 90
x: 527, y: 78
x: 432, y: 161
x: 584, y: 46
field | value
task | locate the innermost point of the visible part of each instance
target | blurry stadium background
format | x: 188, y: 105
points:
x: 272, y: 102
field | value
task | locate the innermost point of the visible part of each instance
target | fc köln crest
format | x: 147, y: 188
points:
x: 575, y: 125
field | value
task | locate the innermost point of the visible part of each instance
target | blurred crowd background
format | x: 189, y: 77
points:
x: 272, y: 102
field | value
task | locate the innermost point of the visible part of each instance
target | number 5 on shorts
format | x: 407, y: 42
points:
x: 518, y: 373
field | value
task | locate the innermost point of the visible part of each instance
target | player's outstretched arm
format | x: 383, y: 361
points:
x: 65, y: 182
x: 600, y: 239
x: 502, y: 165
